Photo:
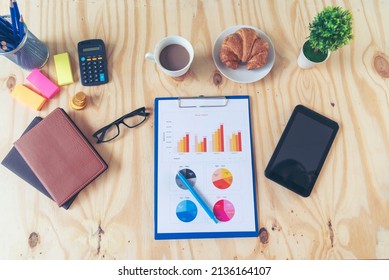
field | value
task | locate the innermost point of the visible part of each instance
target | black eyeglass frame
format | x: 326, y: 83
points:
x: 99, y: 134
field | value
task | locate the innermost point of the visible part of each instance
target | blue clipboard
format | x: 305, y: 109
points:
x: 209, y: 141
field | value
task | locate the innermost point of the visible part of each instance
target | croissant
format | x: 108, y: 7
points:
x: 244, y: 46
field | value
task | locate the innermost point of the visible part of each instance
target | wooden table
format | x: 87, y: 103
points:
x: 345, y: 217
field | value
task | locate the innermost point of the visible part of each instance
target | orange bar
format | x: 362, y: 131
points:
x: 234, y: 146
x: 218, y: 140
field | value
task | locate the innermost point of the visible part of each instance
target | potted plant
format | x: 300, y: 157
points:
x: 330, y: 30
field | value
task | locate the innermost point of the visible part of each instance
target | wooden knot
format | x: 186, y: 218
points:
x: 33, y: 239
x: 263, y: 235
x: 332, y: 235
x: 11, y: 82
x: 381, y: 65
x: 217, y: 78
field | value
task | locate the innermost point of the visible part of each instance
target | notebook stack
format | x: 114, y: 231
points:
x: 55, y: 157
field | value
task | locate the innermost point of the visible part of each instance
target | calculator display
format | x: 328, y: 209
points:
x: 93, y: 62
x: 91, y: 49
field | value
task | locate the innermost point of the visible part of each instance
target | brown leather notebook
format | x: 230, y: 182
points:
x: 60, y: 156
x: 14, y: 162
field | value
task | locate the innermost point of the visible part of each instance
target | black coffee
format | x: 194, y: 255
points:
x: 174, y: 57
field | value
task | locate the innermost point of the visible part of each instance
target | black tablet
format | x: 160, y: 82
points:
x: 302, y: 150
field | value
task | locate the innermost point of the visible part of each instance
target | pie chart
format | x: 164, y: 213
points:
x: 189, y: 175
x: 222, y: 178
x: 186, y: 211
x: 224, y: 210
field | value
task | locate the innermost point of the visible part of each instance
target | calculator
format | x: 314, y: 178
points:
x: 93, y: 62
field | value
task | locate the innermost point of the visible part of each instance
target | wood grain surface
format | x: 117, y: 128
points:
x: 346, y: 217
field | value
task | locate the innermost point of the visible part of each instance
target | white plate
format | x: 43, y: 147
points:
x: 241, y: 74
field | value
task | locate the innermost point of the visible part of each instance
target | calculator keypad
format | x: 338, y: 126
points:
x: 92, y: 70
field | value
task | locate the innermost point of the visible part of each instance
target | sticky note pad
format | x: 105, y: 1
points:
x: 28, y: 97
x: 46, y: 87
x: 63, y: 68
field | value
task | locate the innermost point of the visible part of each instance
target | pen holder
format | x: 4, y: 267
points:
x: 30, y: 53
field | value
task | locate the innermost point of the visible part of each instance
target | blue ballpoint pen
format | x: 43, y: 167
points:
x: 21, y: 28
x: 16, y: 7
x: 19, y: 20
x: 13, y: 22
x: 197, y: 197
x: 5, y: 27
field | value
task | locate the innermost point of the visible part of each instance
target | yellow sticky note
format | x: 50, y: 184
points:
x: 63, y: 68
x: 28, y: 97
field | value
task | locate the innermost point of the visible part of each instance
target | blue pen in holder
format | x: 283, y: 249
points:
x: 29, y: 53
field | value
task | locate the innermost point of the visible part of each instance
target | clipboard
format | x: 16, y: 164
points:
x: 209, y: 140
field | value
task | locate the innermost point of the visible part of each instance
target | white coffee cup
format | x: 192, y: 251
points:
x: 182, y: 64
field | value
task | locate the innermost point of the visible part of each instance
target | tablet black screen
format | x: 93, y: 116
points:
x: 301, y: 151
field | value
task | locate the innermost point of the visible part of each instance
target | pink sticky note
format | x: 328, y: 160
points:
x: 46, y: 87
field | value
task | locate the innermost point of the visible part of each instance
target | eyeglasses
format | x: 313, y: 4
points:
x: 111, y: 131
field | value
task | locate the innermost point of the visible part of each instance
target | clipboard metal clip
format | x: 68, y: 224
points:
x: 202, y: 101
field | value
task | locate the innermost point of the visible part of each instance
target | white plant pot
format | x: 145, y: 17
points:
x: 305, y: 63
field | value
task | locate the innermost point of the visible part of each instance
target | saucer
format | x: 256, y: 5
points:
x: 241, y: 74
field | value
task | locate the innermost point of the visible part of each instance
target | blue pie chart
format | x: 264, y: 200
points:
x: 189, y: 175
x: 186, y: 211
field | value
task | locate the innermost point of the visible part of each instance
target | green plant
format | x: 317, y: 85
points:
x: 329, y: 30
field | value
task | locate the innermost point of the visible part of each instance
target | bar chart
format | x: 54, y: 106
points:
x: 219, y: 143
x: 218, y: 139
x: 236, y: 142
x: 200, y: 147
x: 183, y: 144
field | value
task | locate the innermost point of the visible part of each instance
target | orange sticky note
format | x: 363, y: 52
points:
x: 28, y: 97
